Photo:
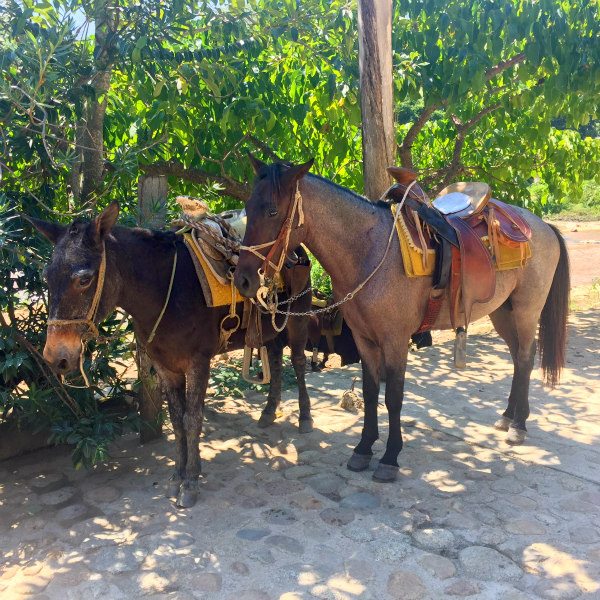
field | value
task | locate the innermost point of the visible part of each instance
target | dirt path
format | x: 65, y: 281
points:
x: 280, y: 517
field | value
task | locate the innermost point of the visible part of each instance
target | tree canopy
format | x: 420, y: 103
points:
x: 190, y: 86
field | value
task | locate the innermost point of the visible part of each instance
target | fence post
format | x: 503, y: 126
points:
x: 152, y: 198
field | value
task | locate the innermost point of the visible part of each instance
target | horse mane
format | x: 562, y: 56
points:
x: 275, y: 171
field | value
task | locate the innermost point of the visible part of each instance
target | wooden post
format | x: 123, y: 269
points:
x: 152, y: 198
x: 376, y: 98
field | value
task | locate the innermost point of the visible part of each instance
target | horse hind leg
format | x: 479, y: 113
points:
x: 518, y: 328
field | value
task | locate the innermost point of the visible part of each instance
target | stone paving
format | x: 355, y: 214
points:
x: 280, y: 517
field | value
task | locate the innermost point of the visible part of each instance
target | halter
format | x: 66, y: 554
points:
x: 89, y: 320
x: 282, y: 241
x: 91, y: 329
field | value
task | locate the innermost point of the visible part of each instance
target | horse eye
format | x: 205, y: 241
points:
x: 84, y: 281
x: 273, y: 212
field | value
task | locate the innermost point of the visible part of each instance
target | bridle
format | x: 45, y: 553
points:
x: 89, y: 321
x: 269, y: 270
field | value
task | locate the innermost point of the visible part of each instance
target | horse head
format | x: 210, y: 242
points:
x: 274, y: 222
x: 75, y: 276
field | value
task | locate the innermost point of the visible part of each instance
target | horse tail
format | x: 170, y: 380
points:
x: 552, y: 338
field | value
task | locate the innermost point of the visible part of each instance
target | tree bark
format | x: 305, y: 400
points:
x: 88, y: 170
x: 376, y: 97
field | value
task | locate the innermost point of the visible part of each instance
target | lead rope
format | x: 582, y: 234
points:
x: 164, y: 308
x: 359, y: 287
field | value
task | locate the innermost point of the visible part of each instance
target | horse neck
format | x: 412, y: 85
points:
x: 339, y: 228
x: 138, y: 270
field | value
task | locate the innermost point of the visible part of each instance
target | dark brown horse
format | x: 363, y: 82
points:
x: 137, y: 273
x: 348, y: 235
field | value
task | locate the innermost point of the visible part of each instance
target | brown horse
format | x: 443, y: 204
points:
x: 138, y: 266
x: 348, y: 234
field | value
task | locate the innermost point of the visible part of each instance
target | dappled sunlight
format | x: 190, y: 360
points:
x: 552, y: 562
x: 271, y: 500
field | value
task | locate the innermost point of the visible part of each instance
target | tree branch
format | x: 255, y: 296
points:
x: 231, y: 187
x: 405, y: 150
x: 503, y: 65
x: 461, y: 133
x: 264, y: 147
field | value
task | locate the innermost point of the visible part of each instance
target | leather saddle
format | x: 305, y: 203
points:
x: 454, y: 225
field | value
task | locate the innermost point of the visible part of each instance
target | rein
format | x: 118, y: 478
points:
x: 89, y: 319
x: 282, y: 240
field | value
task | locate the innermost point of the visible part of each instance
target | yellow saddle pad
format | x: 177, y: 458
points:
x: 216, y: 292
x: 415, y: 265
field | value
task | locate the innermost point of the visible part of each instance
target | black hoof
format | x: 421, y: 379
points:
x: 305, y: 425
x: 359, y: 462
x: 266, y: 419
x: 386, y: 473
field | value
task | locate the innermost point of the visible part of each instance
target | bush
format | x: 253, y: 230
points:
x: 31, y: 396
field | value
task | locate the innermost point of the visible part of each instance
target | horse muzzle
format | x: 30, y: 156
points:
x: 246, y: 282
x: 62, y: 350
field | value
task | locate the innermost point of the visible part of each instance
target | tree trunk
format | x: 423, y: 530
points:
x: 376, y: 98
x: 152, y: 198
x: 88, y: 170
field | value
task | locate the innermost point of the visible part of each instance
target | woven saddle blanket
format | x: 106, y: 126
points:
x: 213, y: 242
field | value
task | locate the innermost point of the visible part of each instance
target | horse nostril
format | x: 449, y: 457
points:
x: 62, y: 365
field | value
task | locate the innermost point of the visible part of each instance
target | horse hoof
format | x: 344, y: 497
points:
x: 359, y: 462
x: 173, y: 486
x: 266, y: 419
x: 516, y: 436
x: 386, y: 473
x: 187, y: 497
x: 305, y: 425
x: 502, y: 424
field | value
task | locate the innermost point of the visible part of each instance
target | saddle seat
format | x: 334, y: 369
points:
x: 471, y: 235
x: 463, y: 199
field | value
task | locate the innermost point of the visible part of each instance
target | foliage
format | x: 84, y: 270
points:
x: 585, y: 206
x: 225, y: 378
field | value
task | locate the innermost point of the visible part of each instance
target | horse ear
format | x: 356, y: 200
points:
x: 51, y: 231
x: 256, y: 163
x: 402, y: 175
x: 299, y: 171
x: 105, y: 221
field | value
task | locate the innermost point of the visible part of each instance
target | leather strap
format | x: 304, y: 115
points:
x: 434, y: 304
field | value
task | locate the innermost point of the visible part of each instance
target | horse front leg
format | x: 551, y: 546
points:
x: 395, y: 372
x: 173, y: 388
x: 196, y: 383
x: 271, y: 410
x: 371, y: 361
x: 298, y: 336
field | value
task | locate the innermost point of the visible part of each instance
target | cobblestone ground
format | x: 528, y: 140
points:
x: 280, y: 517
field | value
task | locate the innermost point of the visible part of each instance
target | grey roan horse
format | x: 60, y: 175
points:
x: 348, y: 235
x: 138, y: 268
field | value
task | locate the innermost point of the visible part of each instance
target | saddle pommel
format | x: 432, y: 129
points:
x: 402, y: 174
